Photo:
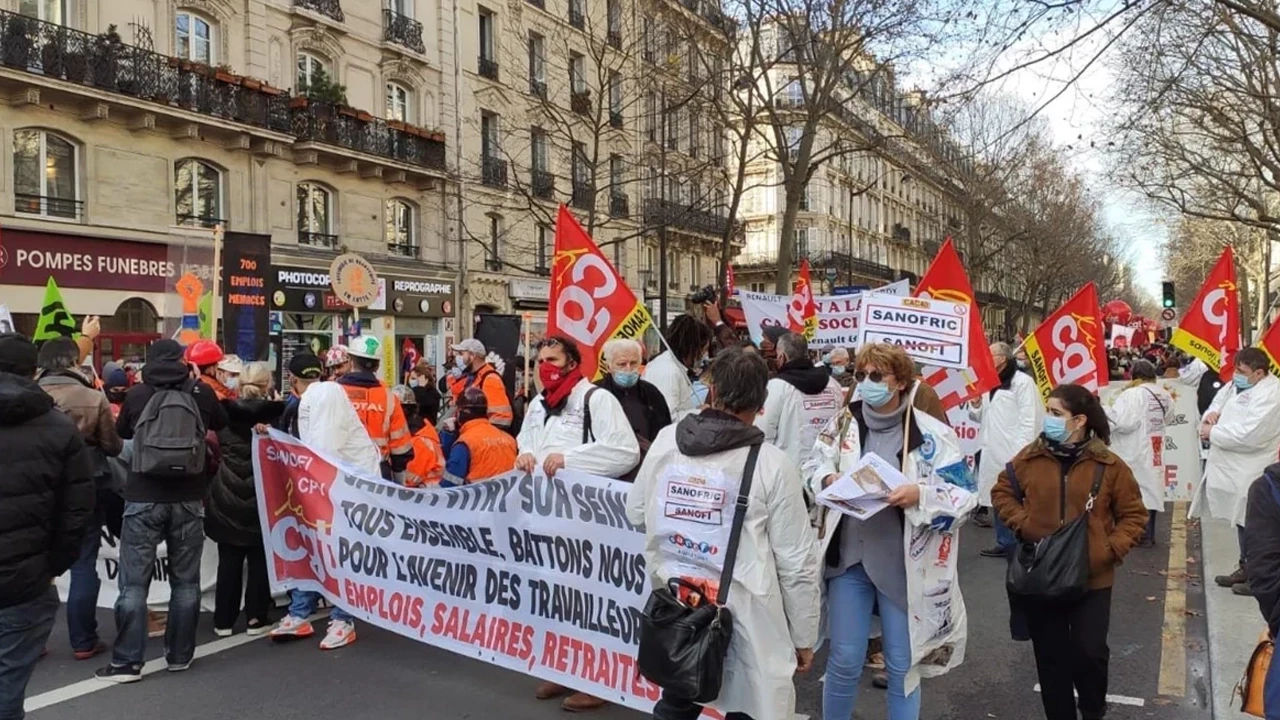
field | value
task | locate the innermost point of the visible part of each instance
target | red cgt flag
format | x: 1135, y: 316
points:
x: 802, y: 311
x: 946, y: 280
x: 1270, y: 344
x: 590, y: 303
x: 1070, y: 347
x: 1210, y: 329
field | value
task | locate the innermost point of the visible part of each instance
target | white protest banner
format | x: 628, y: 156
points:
x: 6, y: 319
x: 837, y: 314
x: 933, y: 332
x: 544, y: 576
x: 158, y: 594
x: 966, y: 429
x: 1181, y: 442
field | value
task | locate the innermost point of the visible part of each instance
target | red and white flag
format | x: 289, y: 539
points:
x: 802, y: 311
x: 1210, y: 329
x: 1069, y: 347
x: 946, y: 280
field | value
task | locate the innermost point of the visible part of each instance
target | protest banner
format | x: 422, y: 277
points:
x: 544, y: 576
x: 946, y: 280
x: 1121, y: 337
x: 6, y: 319
x: 1210, y: 329
x: 802, y: 311
x: 966, y: 429
x: 931, y: 331
x: 55, y: 320
x: 246, y: 284
x: 1269, y: 342
x: 1069, y: 347
x: 108, y: 567
x: 590, y: 302
x: 1181, y: 446
x: 837, y: 315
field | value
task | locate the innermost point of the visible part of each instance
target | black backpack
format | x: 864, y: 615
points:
x: 169, y: 438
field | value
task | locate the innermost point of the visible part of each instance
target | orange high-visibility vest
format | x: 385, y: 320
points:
x: 493, y: 451
x: 383, y: 418
x: 427, y: 466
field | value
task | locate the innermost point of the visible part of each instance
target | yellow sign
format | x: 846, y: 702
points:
x: 354, y: 280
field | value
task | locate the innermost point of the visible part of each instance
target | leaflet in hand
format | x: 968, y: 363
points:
x: 861, y: 492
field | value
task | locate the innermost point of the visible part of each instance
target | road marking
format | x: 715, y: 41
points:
x: 93, y: 685
x: 1173, y: 637
x: 1113, y: 699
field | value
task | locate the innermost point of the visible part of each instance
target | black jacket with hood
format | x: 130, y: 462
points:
x: 804, y: 376
x: 232, y: 506
x: 1262, y: 544
x: 166, y: 369
x: 46, y: 491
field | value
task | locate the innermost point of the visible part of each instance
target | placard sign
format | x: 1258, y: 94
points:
x: 354, y: 280
x: 933, y: 332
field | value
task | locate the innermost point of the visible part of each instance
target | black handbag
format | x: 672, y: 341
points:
x: 683, y: 646
x: 1054, y: 568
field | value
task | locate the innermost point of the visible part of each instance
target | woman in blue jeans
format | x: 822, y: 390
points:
x: 867, y: 558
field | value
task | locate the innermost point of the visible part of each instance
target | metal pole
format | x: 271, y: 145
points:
x: 214, y: 304
x: 662, y: 228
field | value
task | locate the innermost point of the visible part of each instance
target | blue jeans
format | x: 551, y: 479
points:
x: 1271, y: 691
x: 851, y: 597
x: 1004, y: 536
x: 302, y: 603
x: 181, y: 527
x: 82, y: 596
x: 24, y: 630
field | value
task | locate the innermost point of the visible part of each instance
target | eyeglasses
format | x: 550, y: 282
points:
x: 875, y: 375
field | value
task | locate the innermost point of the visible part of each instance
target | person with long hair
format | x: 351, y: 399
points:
x: 675, y: 371
x: 1053, y: 477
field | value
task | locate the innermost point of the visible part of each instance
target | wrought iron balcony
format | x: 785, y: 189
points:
x: 487, y: 67
x: 67, y: 208
x: 580, y: 102
x: 105, y: 63
x: 328, y: 8
x: 538, y: 88
x: 494, y: 172
x: 576, y: 18
x: 544, y: 184
x: 615, y: 118
x: 402, y: 30
x: 684, y: 217
x: 619, y: 205
x: 403, y: 249
x: 315, y: 239
x: 204, y: 221
x: 584, y: 196
x: 330, y: 124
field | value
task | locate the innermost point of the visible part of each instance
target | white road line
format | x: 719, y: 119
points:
x: 1113, y: 699
x: 93, y: 685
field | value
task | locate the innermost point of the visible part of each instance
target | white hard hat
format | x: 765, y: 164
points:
x: 232, y: 364
x: 365, y: 346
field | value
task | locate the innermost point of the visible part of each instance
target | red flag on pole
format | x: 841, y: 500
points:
x: 1210, y: 329
x: 802, y: 311
x: 946, y: 280
x: 590, y: 302
x: 1270, y: 344
x: 1069, y: 347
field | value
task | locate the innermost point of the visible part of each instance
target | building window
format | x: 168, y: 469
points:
x: 651, y: 117
x: 695, y: 133
x: 581, y: 177
x: 542, y: 253
x: 401, y: 7
x: 401, y: 239
x: 615, y: 99
x: 537, y: 65
x: 695, y: 270
x: 194, y: 38
x: 538, y: 150
x: 650, y: 265
x: 493, y: 259
x: 487, y: 30
x: 310, y: 67
x: 614, y: 13
x: 577, y: 73
x: 315, y: 215
x: 50, y: 11
x: 45, y: 169
x: 617, y: 173
x: 198, y: 193
x: 399, y: 103
x: 673, y: 128
x: 489, y: 145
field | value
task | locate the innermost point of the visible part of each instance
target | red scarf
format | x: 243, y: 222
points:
x: 556, y: 386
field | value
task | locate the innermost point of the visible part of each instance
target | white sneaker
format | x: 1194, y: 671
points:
x: 293, y: 627
x: 256, y: 630
x: 223, y: 632
x: 341, y: 633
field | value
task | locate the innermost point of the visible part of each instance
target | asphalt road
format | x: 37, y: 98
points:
x: 392, y: 678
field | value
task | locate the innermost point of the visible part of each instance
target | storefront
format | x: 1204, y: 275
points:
x: 130, y: 285
x: 306, y: 316
x: 421, y: 307
x: 530, y: 298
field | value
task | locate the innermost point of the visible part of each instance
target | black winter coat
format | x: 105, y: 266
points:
x: 232, y: 506
x: 46, y: 491
x: 1262, y: 544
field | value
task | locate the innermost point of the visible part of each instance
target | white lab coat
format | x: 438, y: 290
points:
x: 1241, y: 445
x: 328, y: 423
x: 613, y: 453
x: 792, y: 420
x: 1009, y: 421
x: 776, y: 589
x: 935, y: 606
x: 671, y: 378
x: 1138, y: 419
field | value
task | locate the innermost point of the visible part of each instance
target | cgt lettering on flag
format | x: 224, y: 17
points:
x: 1068, y: 347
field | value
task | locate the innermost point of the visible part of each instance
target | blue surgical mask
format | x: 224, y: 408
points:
x: 875, y: 394
x: 626, y: 378
x: 1242, y: 381
x: 460, y: 362
x: 233, y: 382
x: 837, y: 370
x: 1055, y: 428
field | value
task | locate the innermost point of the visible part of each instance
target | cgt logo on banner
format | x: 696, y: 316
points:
x: 1210, y: 330
x: 540, y: 575
x: 1069, y: 346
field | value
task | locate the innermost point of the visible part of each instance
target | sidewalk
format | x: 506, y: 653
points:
x: 1234, y: 621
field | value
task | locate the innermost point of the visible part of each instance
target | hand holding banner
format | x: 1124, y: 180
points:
x: 1210, y: 329
x: 1069, y: 346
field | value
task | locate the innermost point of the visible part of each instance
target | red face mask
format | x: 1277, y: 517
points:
x: 551, y: 376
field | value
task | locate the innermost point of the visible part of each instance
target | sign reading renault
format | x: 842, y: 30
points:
x: 354, y: 280
x: 932, y: 332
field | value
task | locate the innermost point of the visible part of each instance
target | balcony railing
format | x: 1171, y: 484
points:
x: 614, y: 38
x: 204, y: 221
x: 107, y: 64
x: 48, y: 206
x: 487, y: 67
x: 580, y: 102
x: 684, y: 217
x: 315, y: 239
x: 615, y: 118
x: 619, y: 205
x: 576, y: 17
x: 584, y: 196
x: 544, y: 184
x: 403, y: 249
x: 329, y: 8
x: 494, y: 172
x: 326, y: 123
x: 402, y: 30
x: 538, y: 88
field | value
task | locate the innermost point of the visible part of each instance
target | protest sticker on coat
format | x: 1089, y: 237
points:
x: 837, y: 317
x: 540, y: 575
x: 1180, y: 448
x: 932, y: 332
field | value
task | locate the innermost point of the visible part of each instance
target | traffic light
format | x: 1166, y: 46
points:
x: 1167, y: 291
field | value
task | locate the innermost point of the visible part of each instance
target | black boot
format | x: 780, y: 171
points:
x: 1235, y: 578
